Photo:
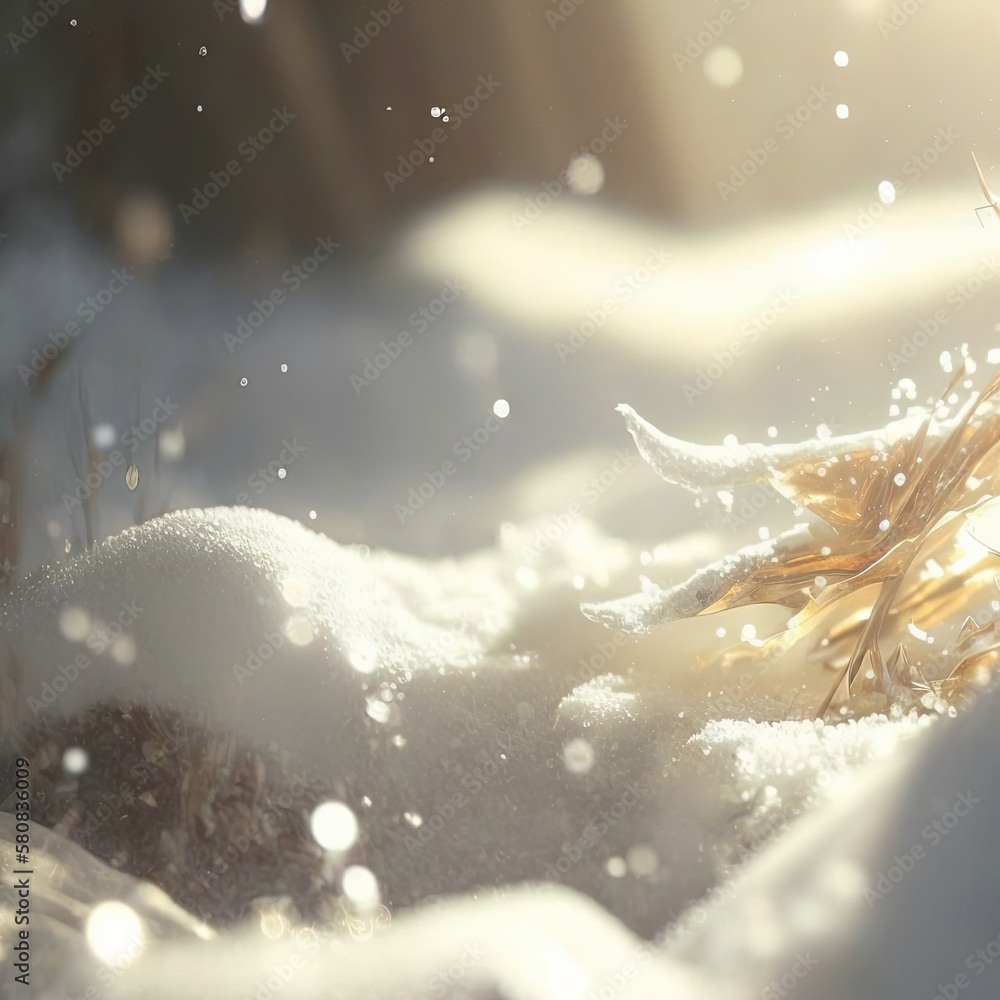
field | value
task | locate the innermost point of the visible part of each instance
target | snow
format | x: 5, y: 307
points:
x: 787, y: 823
x: 808, y: 912
x: 399, y: 687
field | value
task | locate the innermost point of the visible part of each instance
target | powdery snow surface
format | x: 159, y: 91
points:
x: 889, y: 890
x: 686, y: 856
x: 784, y: 769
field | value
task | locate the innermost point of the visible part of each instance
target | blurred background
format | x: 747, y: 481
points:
x: 740, y: 217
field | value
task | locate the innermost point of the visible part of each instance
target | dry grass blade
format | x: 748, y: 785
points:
x: 893, y: 502
x: 991, y: 198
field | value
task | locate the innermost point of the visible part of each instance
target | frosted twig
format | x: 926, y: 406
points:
x: 641, y: 613
x: 710, y: 468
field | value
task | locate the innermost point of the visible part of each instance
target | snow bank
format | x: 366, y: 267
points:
x: 802, y: 856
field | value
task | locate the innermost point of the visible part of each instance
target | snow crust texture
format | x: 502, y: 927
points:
x: 534, y: 830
